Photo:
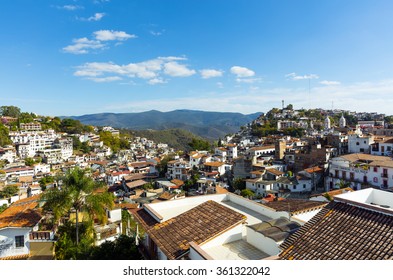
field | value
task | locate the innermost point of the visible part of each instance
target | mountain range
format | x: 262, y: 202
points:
x: 210, y: 125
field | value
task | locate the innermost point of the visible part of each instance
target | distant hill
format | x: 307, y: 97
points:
x: 175, y: 138
x: 210, y: 125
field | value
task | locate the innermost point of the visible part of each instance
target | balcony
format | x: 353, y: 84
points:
x: 41, y: 235
x: 384, y: 175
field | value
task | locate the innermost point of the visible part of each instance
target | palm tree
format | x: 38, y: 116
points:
x: 342, y: 184
x: 78, y: 193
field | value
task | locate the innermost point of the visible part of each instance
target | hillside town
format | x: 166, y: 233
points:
x: 289, y: 185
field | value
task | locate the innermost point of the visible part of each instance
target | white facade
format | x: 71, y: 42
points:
x: 369, y: 170
x: 342, y: 122
x: 19, y: 171
x: 10, y: 241
x: 8, y: 153
x: 359, y: 143
x: 43, y: 168
x: 327, y: 124
x: 178, y: 169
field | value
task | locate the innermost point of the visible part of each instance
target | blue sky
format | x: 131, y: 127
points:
x: 74, y: 57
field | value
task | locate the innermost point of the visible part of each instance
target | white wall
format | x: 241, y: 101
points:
x: 194, y: 255
x: 3, y: 201
x: 262, y: 243
x: 229, y: 236
x: 257, y: 207
x: 115, y: 215
x: 11, y: 233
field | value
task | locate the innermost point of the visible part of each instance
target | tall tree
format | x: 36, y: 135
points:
x: 10, y: 111
x: 78, y: 193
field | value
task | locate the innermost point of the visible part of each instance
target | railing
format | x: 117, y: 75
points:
x: 107, y: 233
x: 384, y: 175
x: 41, y: 235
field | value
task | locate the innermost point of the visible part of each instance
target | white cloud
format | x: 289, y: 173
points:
x: 70, y: 7
x: 330, y: 83
x: 156, y: 81
x: 96, y: 17
x: 294, y: 77
x: 111, y: 35
x: 175, y: 69
x: 105, y: 79
x: 242, y: 72
x: 156, y: 33
x: 83, y: 45
x: 248, y: 80
x: 220, y: 85
x: 151, y: 70
x: 210, y: 73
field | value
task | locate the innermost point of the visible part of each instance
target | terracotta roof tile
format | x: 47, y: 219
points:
x: 199, y: 224
x: 143, y: 217
x: 294, y: 205
x: 21, y: 214
x: 342, y: 231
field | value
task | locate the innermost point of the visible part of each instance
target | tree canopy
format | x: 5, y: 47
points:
x: 79, y: 193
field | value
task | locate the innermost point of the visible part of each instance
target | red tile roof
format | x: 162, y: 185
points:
x: 22, y: 213
x: 199, y: 224
x: 344, y: 232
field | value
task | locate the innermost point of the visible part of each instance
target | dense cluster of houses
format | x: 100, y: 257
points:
x: 190, y: 206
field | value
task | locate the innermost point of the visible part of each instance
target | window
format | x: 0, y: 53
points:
x: 336, y: 173
x: 351, y: 176
x: 344, y: 174
x: 304, y: 186
x: 294, y: 187
x: 375, y: 169
x: 357, y: 143
x: 375, y: 180
x: 19, y: 241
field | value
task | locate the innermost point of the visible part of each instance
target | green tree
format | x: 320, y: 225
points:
x: 79, y: 194
x: 239, y: 184
x: 4, y: 136
x: 247, y: 193
x: 10, y: 111
x: 162, y: 166
x: 342, y: 184
x: 26, y: 117
x: 45, y: 181
x: 199, y: 144
x: 123, y: 248
x: 29, y: 161
x: 3, y: 207
x: 9, y: 191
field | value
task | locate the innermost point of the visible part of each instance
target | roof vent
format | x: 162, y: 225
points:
x: 385, y: 206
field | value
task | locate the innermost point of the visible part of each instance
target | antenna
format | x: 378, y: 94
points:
x: 282, y: 101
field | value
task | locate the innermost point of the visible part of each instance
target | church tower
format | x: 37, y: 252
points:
x: 343, y: 122
x: 327, y: 123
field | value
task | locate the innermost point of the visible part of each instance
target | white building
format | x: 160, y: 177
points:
x: 19, y: 171
x: 19, y: 235
x: 43, y: 168
x: 327, y: 124
x: 194, y: 228
x: 178, y: 169
x: 360, y: 143
x: 342, y: 122
x: 360, y: 170
x: 8, y: 153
